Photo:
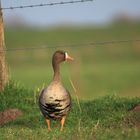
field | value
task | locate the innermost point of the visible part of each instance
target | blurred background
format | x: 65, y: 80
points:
x: 102, y: 36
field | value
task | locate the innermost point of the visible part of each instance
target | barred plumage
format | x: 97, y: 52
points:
x: 54, y: 107
x: 55, y: 100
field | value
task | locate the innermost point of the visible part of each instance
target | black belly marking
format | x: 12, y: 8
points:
x: 54, y: 110
x: 58, y: 100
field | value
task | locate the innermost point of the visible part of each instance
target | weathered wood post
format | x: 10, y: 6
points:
x: 3, y: 66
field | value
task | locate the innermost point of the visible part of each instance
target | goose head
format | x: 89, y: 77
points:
x: 60, y: 56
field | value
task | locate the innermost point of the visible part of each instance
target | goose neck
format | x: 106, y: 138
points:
x: 56, y: 69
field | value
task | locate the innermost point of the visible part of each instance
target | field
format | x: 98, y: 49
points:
x: 106, y: 77
x: 98, y: 69
x: 105, y: 118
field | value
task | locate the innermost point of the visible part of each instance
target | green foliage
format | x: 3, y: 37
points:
x: 14, y: 95
x: 104, y: 118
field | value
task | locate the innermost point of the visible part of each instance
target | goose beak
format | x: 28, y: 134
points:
x: 68, y: 58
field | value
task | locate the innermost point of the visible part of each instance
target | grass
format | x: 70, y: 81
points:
x: 103, y: 118
x: 97, y: 70
x: 92, y: 80
x: 105, y: 77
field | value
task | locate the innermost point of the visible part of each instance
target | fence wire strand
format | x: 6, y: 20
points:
x: 45, y: 4
x: 89, y: 44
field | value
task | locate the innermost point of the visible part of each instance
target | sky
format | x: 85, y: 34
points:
x: 95, y: 12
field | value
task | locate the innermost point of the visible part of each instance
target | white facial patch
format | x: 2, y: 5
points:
x: 66, y: 55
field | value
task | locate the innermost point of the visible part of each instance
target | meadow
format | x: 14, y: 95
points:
x: 106, y: 77
x: 98, y: 69
x: 104, y: 118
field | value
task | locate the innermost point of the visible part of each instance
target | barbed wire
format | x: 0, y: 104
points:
x: 45, y: 4
x: 89, y: 44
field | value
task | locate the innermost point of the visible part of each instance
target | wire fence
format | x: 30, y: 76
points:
x: 45, y: 4
x: 89, y: 44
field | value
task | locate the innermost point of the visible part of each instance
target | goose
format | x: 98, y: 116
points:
x: 55, y: 100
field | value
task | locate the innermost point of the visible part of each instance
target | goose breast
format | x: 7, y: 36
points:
x: 55, y: 101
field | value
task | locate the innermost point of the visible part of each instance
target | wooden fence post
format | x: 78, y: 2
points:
x: 3, y: 66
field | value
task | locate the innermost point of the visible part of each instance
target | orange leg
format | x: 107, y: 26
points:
x: 49, y: 124
x: 62, y: 123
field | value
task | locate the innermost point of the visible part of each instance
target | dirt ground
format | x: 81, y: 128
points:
x: 136, y: 108
x: 9, y: 115
x: 133, y: 118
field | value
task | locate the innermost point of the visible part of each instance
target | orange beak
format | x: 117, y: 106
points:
x: 68, y: 58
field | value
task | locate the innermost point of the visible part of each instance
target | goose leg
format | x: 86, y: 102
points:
x: 62, y: 123
x: 48, y: 123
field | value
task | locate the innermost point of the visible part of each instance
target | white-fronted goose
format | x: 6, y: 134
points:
x: 55, y: 101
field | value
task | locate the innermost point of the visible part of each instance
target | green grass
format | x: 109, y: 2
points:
x: 104, y: 118
x: 105, y: 77
x: 98, y: 70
